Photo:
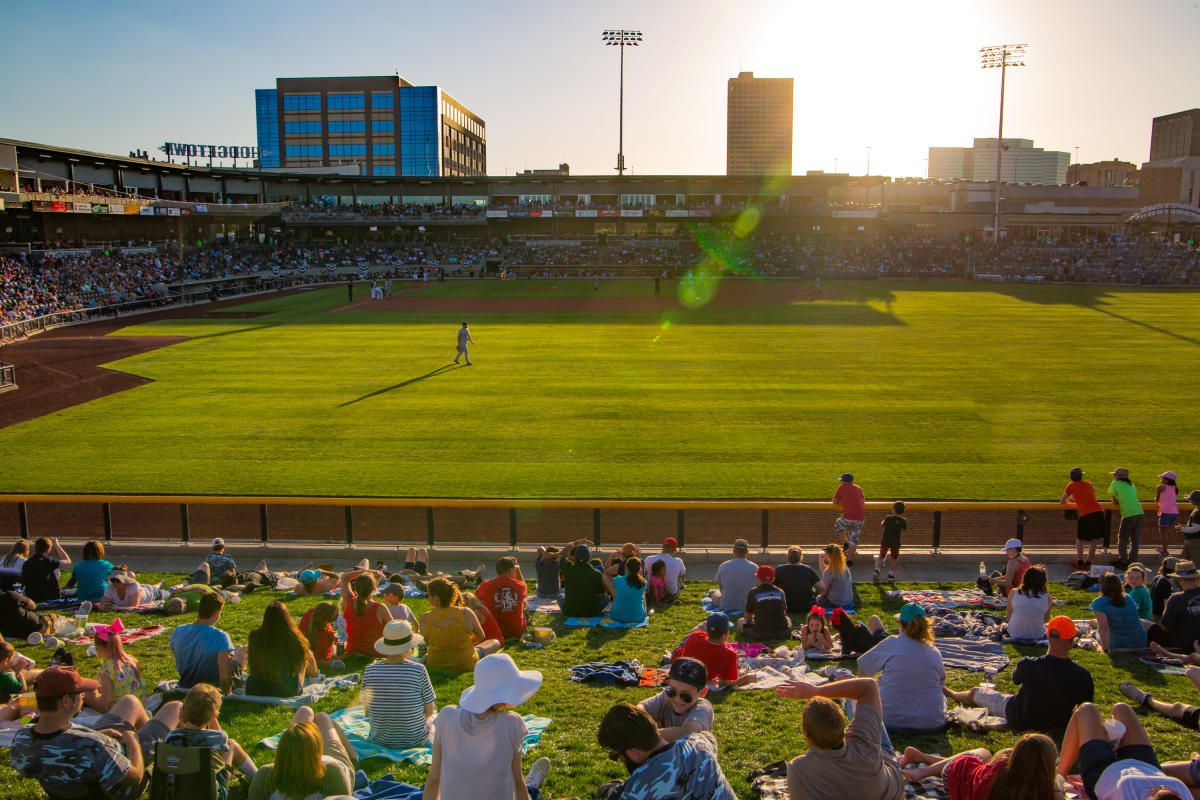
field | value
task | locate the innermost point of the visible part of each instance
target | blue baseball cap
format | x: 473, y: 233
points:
x: 717, y: 623
x: 308, y: 576
x: 847, y: 477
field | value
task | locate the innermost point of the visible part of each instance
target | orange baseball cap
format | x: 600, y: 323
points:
x: 1061, y: 628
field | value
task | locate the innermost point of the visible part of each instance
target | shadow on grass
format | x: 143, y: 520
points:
x: 442, y: 370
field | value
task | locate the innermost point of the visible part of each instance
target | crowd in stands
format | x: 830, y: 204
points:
x: 398, y: 211
x: 67, y: 283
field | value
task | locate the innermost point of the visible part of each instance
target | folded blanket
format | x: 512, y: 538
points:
x: 314, y: 690
x: 976, y: 656
x: 602, y: 622
x: 749, y: 649
x: 354, y: 722
x: 127, y: 637
x: 542, y: 605
x: 608, y: 673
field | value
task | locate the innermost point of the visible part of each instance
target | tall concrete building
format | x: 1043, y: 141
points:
x: 1022, y: 162
x: 758, y: 126
x: 1172, y: 175
x: 382, y: 124
x: 1175, y: 135
x: 1103, y: 173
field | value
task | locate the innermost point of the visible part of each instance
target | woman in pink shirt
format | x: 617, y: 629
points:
x: 1166, y: 496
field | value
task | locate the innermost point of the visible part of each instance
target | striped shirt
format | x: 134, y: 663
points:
x: 395, y: 695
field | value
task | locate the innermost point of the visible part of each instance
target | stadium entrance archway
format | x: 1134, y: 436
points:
x: 1177, y: 222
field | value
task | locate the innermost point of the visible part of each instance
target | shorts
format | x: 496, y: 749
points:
x: 995, y: 702
x: 890, y: 543
x: 1098, y: 755
x: 1191, y: 720
x: 1167, y: 520
x: 419, y: 567
x: 851, y: 527
x: 1090, y: 527
x: 151, y: 733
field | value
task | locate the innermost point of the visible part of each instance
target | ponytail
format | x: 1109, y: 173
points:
x: 364, y: 587
x: 633, y: 573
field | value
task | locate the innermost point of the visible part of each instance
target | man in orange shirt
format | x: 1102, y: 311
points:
x: 1089, y: 526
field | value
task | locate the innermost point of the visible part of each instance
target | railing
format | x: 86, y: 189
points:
x: 388, y: 521
x: 44, y: 323
x: 8, y: 375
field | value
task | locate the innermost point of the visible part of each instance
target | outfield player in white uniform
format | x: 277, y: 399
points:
x: 464, y: 339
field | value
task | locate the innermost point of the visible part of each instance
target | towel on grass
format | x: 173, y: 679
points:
x: 62, y: 604
x: 542, y: 605
x: 602, y: 622
x: 976, y: 656
x: 710, y: 607
x: 950, y: 598
x: 388, y: 788
x: 314, y: 690
x: 354, y: 722
x: 127, y: 637
x: 608, y: 673
x: 777, y: 668
x: 813, y: 654
x: 1167, y: 666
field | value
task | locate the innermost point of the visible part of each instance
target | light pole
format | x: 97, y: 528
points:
x: 1002, y: 56
x: 621, y: 38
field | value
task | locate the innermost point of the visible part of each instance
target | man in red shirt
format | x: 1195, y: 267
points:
x: 849, y: 525
x: 1089, y: 525
x: 711, y: 647
x: 504, y: 596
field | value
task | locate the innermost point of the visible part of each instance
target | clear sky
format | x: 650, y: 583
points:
x: 893, y: 76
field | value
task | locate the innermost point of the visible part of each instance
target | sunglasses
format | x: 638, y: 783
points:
x: 685, y: 697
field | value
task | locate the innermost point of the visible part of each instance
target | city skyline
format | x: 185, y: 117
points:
x: 895, y: 79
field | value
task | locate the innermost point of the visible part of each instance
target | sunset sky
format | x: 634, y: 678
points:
x: 897, y: 77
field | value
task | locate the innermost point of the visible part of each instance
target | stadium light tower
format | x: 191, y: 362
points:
x: 1002, y: 56
x: 621, y: 38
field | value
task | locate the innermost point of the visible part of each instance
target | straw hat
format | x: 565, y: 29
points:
x: 398, y: 637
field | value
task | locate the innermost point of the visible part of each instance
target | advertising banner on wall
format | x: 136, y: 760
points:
x: 519, y: 212
x: 201, y: 208
x: 99, y: 208
x: 541, y: 212
x: 631, y: 212
x: 496, y: 213
x: 677, y: 212
x: 81, y: 208
x: 146, y: 211
x: 587, y: 212
x: 136, y: 251
x: 609, y: 212
x: 872, y: 214
x: 172, y: 212
x: 133, y: 209
x: 700, y: 212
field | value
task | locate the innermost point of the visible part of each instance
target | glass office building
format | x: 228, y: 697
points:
x: 382, y: 124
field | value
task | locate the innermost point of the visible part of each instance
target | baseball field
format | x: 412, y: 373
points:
x: 741, y: 389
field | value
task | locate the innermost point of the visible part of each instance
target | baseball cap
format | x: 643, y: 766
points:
x: 59, y: 681
x: 741, y: 544
x: 1076, y: 474
x: 670, y: 541
x: 847, y: 477
x: 765, y: 573
x: 1194, y: 497
x: 308, y: 576
x: 717, y: 623
x: 690, y: 671
x: 581, y: 552
x: 1169, y: 474
x: 1186, y: 570
x: 1120, y: 472
x: 1061, y: 627
x: 218, y: 542
x: 1013, y: 544
x: 911, y: 611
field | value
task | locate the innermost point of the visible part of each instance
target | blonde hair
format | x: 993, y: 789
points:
x: 299, y: 769
x: 202, y: 703
x: 837, y: 558
x: 824, y: 723
x: 918, y: 629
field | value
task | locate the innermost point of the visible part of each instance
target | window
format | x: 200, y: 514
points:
x: 302, y: 102
x: 313, y: 126
x: 382, y: 100
x: 383, y: 126
x: 347, y: 150
x: 347, y: 126
x: 267, y: 115
x: 346, y: 101
x: 304, y: 151
x: 383, y: 150
x: 384, y: 170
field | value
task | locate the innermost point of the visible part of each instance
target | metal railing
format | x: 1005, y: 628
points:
x: 8, y: 375
x: 512, y: 522
x: 26, y: 327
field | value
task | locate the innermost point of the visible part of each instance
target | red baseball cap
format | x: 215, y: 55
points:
x: 670, y: 541
x: 765, y: 573
x: 60, y: 681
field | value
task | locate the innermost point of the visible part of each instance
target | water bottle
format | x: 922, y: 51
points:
x: 982, y: 570
x: 339, y: 626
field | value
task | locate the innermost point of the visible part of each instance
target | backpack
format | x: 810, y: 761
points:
x: 185, y: 773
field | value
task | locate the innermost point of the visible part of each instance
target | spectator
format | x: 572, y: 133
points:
x: 815, y: 635
x: 316, y: 581
x: 1117, y: 618
x: 222, y: 568
x: 797, y: 580
x: 735, y: 579
x: 119, y: 674
x: 124, y: 591
x: 1191, y: 531
x: 1129, y: 537
x: 1051, y: 686
x: 364, y: 617
x: 65, y: 757
x: 1025, y: 770
x: 894, y: 525
x: 660, y: 770
x: 616, y: 562
x: 18, y: 618
x: 278, y: 658
x: 91, y: 574
x: 13, y: 561
x: 39, y: 574
x: 314, y: 760
x: 628, y: 591
x: 1014, y: 570
x: 766, y: 616
x: 200, y: 726
x: 1166, y: 499
x: 317, y: 626
x: 711, y: 647
x: 1029, y: 607
x: 504, y: 595
x: 453, y: 636
x: 1186, y: 715
x: 204, y: 652
x: 849, y: 525
x: 1128, y: 769
x: 836, y: 589
x: 1180, y: 624
x: 855, y: 636
x: 1163, y: 585
x: 584, y: 594
x: 477, y: 744
x: 843, y: 762
x: 680, y: 708
x: 1135, y: 590
x: 676, y: 570
x: 393, y: 598
x: 912, y: 676
x: 1090, y: 525
x: 657, y: 592
x: 491, y: 628
x: 397, y: 694
x: 547, y: 566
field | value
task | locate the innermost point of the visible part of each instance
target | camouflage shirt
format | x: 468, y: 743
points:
x: 73, y: 762
x: 687, y: 770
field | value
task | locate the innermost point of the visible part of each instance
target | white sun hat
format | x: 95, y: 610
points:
x: 497, y: 680
x: 398, y: 637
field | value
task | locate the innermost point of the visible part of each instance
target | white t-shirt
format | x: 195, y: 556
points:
x: 1028, y: 616
x: 1130, y: 779
x: 675, y: 569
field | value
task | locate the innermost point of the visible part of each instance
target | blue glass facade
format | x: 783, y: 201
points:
x: 382, y: 100
x: 303, y: 151
x: 419, y: 130
x: 345, y: 101
x: 266, y: 112
x: 302, y: 102
x: 347, y: 126
x: 385, y: 170
x: 310, y: 126
x: 383, y: 125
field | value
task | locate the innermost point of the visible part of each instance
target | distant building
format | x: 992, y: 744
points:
x: 758, y: 126
x: 383, y: 124
x: 1103, y: 173
x: 1172, y: 175
x: 1022, y: 163
x: 1175, y: 135
x: 563, y: 169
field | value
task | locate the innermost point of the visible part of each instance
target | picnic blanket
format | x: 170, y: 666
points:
x: 710, y: 607
x: 1167, y: 666
x: 127, y: 637
x: 950, y: 598
x: 974, y: 719
x: 542, y: 605
x: 973, y: 655
x: 61, y: 604
x: 354, y: 722
x: 979, y: 624
x: 770, y: 783
x: 314, y: 690
x: 777, y: 668
x: 608, y: 673
x: 813, y: 654
x: 654, y: 676
x: 602, y: 622
x: 388, y: 788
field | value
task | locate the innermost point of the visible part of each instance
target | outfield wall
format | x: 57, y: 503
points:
x: 458, y: 522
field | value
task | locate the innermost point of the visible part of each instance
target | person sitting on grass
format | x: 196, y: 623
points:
x: 855, y: 636
x: 1162, y: 587
x: 1117, y: 618
x: 18, y: 618
x: 124, y: 591
x: 477, y: 744
x: 815, y: 635
x: 1014, y: 570
x: 16, y: 663
x: 656, y: 592
x: 11, y: 564
x: 1179, y: 627
x: 504, y: 595
x: 491, y: 628
x: 680, y: 708
x: 798, y: 580
x: 766, y: 617
x: 454, y: 639
x: 1186, y: 715
x: 1025, y: 770
x: 584, y: 594
x: 547, y: 566
x: 843, y: 761
x: 396, y: 693
x: 393, y: 597
x: 317, y: 626
x: 39, y: 574
x: 675, y: 571
x: 217, y: 568
x: 684, y: 769
x: 911, y: 672
x: 1028, y: 608
x: 1128, y: 770
x: 91, y: 574
x: 203, y: 652
x: 711, y: 647
x: 364, y: 617
x: 628, y: 591
x: 1191, y: 530
x: 314, y: 760
x: 69, y: 760
x: 119, y: 673
x: 200, y: 726
x: 278, y: 658
x: 735, y: 579
x: 1136, y: 590
x: 836, y: 589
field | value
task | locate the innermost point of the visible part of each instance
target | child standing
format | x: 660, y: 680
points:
x: 657, y: 592
x: 1166, y: 497
x: 814, y: 635
x: 894, y: 525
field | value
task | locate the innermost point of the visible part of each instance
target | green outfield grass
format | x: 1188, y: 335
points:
x: 753, y: 728
x: 923, y: 390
